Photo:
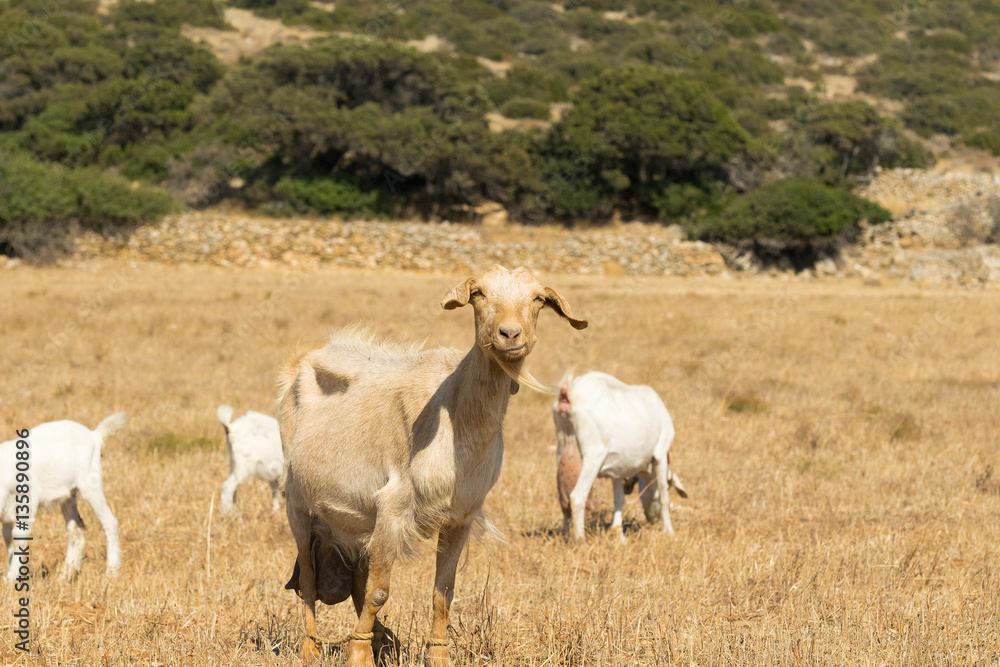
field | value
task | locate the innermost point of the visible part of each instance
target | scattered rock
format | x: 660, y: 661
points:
x: 826, y: 267
x: 491, y: 214
x: 675, y: 232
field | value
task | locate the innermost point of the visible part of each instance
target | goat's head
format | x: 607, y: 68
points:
x: 507, y: 304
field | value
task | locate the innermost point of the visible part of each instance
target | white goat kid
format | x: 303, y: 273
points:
x: 606, y: 428
x: 254, y: 445
x: 65, y: 460
x: 387, y: 445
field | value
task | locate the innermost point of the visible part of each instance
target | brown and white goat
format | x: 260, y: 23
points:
x: 387, y: 445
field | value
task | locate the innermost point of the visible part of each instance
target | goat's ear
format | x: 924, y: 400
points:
x: 459, y: 296
x: 555, y: 301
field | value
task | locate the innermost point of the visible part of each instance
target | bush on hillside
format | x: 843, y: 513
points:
x: 325, y: 196
x: 37, y: 198
x: 841, y: 141
x: 521, y: 107
x: 801, y: 217
x: 642, y: 126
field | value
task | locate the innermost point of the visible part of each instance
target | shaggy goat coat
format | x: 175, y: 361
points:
x: 394, y: 466
x: 386, y: 445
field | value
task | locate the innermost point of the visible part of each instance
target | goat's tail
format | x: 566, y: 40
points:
x: 287, y: 406
x: 674, y: 481
x: 111, y: 425
x: 225, y: 415
x: 290, y: 369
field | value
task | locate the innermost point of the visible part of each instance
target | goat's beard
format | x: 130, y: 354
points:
x: 519, y: 374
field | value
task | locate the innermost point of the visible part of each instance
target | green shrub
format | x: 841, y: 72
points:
x: 649, y: 125
x: 521, y: 107
x: 679, y: 201
x: 797, y: 215
x: 171, y: 13
x: 325, y: 196
x: 840, y: 141
x: 527, y: 80
x: 39, y: 201
x: 987, y: 139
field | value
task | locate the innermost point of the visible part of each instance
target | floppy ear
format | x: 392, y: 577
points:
x: 555, y: 301
x: 459, y: 296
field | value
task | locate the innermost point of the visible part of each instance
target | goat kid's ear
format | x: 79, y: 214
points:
x: 459, y: 296
x: 555, y: 301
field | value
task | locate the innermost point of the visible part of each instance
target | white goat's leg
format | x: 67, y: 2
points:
x: 616, y: 522
x: 8, y: 540
x: 275, y: 495
x: 662, y: 475
x: 75, y: 539
x: 451, y: 542
x: 578, y: 498
x: 228, y: 496
x: 94, y: 494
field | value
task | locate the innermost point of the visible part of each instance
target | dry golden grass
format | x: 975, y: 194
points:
x: 839, y: 443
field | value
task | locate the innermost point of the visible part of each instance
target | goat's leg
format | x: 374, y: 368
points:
x: 300, y: 523
x: 451, y: 542
x: 75, y: 538
x: 649, y: 493
x: 580, y: 493
x: 8, y: 540
x: 94, y: 494
x: 228, y: 495
x: 616, y: 521
x: 381, y: 554
x: 275, y: 495
x: 662, y: 472
x: 360, y: 584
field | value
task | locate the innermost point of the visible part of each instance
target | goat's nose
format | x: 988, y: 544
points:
x: 510, y: 331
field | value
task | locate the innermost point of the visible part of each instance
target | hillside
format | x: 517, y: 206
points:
x: 585, y: 111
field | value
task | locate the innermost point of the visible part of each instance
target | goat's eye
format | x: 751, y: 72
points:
x: 475, y: 293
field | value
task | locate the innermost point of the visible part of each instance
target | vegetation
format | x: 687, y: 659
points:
x: 797, y: 216
x: 669, y: 110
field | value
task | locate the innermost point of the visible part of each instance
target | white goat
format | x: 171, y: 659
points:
x: 606, y: 428
x: 64, y: 459
x: 386, y: 445
x: 254, y: 445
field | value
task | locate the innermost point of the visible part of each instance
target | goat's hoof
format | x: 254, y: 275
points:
x: 437, y: 656
x: 309, y: 652
x: 359, y: 653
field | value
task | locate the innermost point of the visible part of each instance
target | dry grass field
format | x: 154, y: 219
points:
x: 839, y: 443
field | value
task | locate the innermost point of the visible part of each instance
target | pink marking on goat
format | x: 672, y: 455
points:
x: 570, y: 461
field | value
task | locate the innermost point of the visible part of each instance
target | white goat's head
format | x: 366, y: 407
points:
x: 507, y: 304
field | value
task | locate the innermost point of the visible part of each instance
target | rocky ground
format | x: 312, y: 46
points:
x: 237, y: 240
x: 944, y: 230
